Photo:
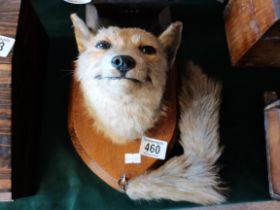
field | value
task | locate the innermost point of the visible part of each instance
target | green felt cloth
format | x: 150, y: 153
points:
x: 65, y: 182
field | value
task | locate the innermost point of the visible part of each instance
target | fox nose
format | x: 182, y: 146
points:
x: 123, y: 63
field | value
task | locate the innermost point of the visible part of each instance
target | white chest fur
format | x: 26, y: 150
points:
x: 122, y: 116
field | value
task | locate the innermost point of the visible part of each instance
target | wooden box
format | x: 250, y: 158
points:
x: 9, y: 12
x: 253, y: 32
x: 272, y: 125
x: 21, y: 76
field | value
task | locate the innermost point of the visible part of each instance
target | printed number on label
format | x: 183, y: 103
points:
x: 1, y: 45
x: 6, y: 44
x: 153, y: 148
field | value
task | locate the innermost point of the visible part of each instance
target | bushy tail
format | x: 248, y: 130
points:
x: 193, y: 175
x: 199, y: 123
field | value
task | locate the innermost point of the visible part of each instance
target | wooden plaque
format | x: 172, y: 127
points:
x: 107, y: 159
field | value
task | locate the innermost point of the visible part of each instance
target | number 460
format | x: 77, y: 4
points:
x: 152, y: 148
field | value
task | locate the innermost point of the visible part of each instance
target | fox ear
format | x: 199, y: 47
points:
x: 92, y: 19
x: 82, y: 33
x: 171, y: 39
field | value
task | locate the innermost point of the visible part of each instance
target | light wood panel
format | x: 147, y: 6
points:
x: 9, y: 12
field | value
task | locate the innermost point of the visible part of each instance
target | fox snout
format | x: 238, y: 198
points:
x: 123, y: 63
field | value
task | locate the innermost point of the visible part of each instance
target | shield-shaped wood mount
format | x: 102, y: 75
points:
x: 103, y: 157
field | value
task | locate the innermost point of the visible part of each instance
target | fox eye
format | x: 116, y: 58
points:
x: 147, y: 49
x: 104, y: 45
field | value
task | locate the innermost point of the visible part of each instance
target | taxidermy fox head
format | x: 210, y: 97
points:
x: 122, y: 74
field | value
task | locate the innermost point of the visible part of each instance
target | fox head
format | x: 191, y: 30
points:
x: 122, y: 74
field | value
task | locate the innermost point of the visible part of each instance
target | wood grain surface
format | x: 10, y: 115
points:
x: 267, y: 205
x: 272, y: 129
x: 273, y: 148
x: 9, y: 12
x: 252, y: 34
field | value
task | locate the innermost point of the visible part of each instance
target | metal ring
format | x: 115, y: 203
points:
x: 123, y: 182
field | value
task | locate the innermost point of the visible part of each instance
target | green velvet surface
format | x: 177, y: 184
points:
x: 65, y: 182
